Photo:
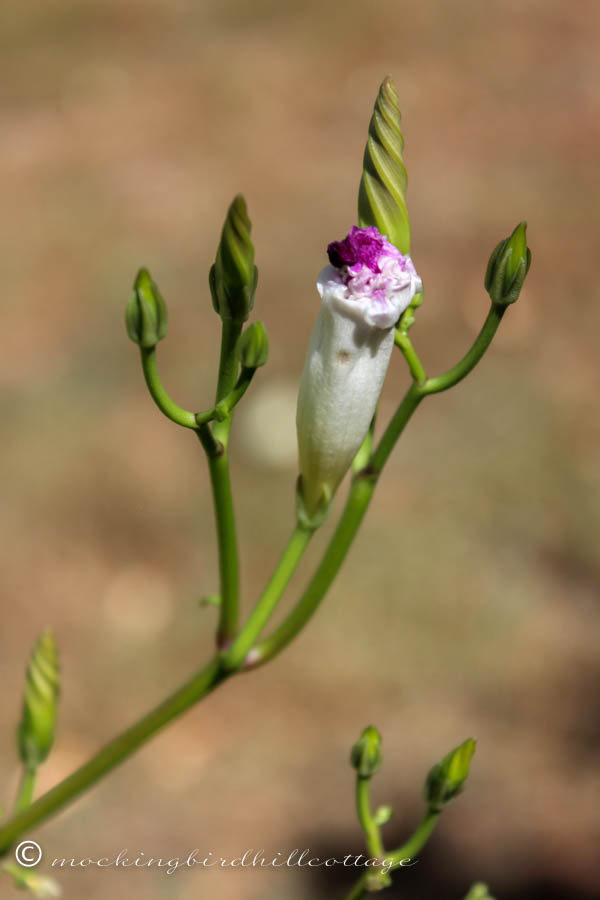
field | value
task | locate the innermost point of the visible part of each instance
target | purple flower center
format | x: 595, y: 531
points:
x: 362, y: 246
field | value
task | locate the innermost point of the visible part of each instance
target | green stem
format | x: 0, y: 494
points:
x: 228, y: 362
x: 470, y: 360
x: 26, y: 789
x: 224, y: 407
x: 167, y: 406
x: 377, y: 881
x: 404, y: 343
x: 218, y: 465
x: 361, y: 491
x: 416, y: 841
x: 365, y: 817
x: 113, y: 753
x: 234, y: 657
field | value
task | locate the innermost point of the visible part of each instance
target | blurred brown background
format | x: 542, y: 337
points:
x: 469, y: 604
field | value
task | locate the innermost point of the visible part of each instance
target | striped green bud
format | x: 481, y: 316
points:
x: 35, y: 733
x: 382, y: 191
x: 233, y: 277
x: 508, y: 266
x: 366, y: 756
x: 447, y: 779
x: 253, y: 346
x: 146, y: 312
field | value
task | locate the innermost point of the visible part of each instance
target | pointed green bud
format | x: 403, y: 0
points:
x: 253, y: 346
x: 447, y: 778
x: 366, y: 756
x: 382, y: 191
x: 146, y: 312
x: 508, y: 266
x: 35, y: 733
x: 233, y: 277
x: 479, y: 891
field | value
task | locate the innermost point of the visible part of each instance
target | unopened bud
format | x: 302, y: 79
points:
x: 366, y: 754
x: 253, y: 346
x: 233, y: 277
x: 382, y: 192
x: 508, y: 266
x: 36, y: 730
x: 146, y: 313
x: 447, y: 778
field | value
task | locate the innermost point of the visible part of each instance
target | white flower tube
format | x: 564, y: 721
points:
x: 364, y: 292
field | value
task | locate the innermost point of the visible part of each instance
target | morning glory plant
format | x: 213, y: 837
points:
x: 370, y: 291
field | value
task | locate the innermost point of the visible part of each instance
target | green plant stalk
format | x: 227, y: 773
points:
x: 470, y: 359
x: 113, y: 753
x: 370, y: 828
x: 26, y: 789
x: 235, y: 656
x: 361, y: 491
x: 408, y: 850
x: 167, y: 406
x: 404, y: 344
x: 218, y: 465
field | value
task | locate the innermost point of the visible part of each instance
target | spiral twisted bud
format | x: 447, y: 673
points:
x: 232, y: 278
x: 382, y: 191
x: 146, y: 312
x: 35, y: 733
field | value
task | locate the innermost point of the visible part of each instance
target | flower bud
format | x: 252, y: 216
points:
x: 364, y: 291
x: 253, y: 346
x: 233, y: 277
x: 366, y: 756
x: 447, y: 779
x: 382, y: 191
x: 508, y: 266
x: 479, y: 891
x: 146, y: 312
x: 36, y: 730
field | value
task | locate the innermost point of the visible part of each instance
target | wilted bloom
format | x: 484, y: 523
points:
x: 364, y: 291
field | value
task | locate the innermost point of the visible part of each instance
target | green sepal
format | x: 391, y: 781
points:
x: 233, y: 277
x: 382, y: 191
x: 312, y: 521
x: 146, y: 312
x: 253, y: 346
x: 447, y: 779
x: 508, y: 266
x: 366, y: 755
x: 35, y: 733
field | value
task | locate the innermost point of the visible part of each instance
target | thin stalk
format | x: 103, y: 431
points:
x: 167, y: 406
x: 26, y: 789
x: 218, y: 465
x: 370, y: 828
x: 404, y: 344
x: 408, y: 851
x: 234, y: 657
x: 470, y: 359
x: 113, y: 753
x: 229, y: 577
